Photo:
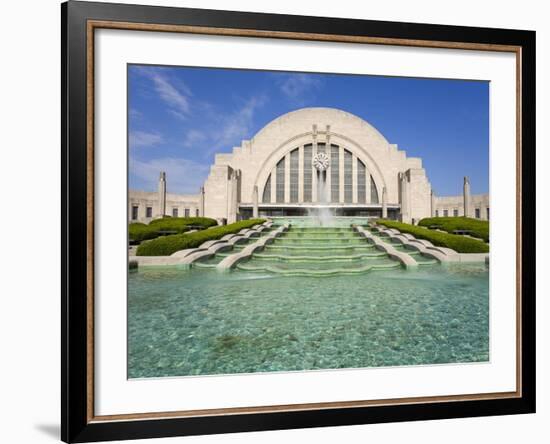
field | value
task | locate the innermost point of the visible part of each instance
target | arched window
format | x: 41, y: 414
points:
x: 340, y: 173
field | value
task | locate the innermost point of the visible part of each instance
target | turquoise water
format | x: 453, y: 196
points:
x: 201, y: 322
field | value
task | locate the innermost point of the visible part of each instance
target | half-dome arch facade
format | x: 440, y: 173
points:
x: 312, y: 158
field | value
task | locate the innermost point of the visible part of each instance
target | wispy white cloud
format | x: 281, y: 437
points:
x: 172, y: 92
x: 237, y: 125
x: 193, y: 137
x: 182, y: 175
x: 135, y: 113
x: 139, y: 139
x: 298, y: 87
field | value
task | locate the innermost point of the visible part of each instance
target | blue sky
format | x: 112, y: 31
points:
x: 179, y: 117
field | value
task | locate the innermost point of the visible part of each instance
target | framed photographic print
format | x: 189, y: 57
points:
x: 276, y: 221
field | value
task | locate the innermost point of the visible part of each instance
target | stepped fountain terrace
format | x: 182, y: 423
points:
x: 301, y: 296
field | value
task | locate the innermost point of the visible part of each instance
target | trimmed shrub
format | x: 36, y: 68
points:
x: 479, y: 228
x: 139, y: 232
x: 181, y: 223
x: 167, y: 245
x: 460, y: 244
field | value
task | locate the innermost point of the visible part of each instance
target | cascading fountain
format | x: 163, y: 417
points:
x: 322, y: 214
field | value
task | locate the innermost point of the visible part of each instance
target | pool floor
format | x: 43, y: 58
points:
x: 201, y: 322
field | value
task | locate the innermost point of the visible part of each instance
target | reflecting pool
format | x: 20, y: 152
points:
x: 201, y: 322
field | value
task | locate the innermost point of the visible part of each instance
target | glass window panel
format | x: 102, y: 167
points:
x: 266, y: 197
x: 348, y: 187
x: 361, y: 182
x: 307, y: 172
x: 294, y: 171
x: 373, y: 192
x: 335, y: 173
x: 280, y: 190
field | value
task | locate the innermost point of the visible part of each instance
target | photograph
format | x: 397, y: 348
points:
x: 283, y: 221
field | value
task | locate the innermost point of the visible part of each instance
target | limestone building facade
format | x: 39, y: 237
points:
x: 305, y: 161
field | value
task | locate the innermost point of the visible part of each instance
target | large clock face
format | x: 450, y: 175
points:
x: 320, y: 161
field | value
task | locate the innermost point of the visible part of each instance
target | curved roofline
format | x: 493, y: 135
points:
x: 331, y: 109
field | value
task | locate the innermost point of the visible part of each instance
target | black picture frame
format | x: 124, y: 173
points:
x: 77, y: 425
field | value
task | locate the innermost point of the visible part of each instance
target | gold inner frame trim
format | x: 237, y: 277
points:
x: 98, y: 24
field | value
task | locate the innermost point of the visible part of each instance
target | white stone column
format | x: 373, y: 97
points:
x: 301, y: 174
x: 255, y: 201
x: 287, y: 178
x: 467, y: 197
x: 432, y: 195
x: 162, y: 194
x: 274, y: 184
x: 229, y: 186
x: 201, y: 202
x: 384, y: 203
x: 341, y: 175
x: 405, y: 214
x: 354, y: 178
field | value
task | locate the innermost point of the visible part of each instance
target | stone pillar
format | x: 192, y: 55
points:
x: 405, y: 214
x: 432, y: 196
x: 255, y: 202
x: 233, y: 197
x: 229, y: 185
x: 467, y: 197
x: 201, y: 202
x: 162, y: 194
x: 384, y: 203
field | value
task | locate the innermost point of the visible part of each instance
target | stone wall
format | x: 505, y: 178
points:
x: 143, y: 200
x: 454, y: 205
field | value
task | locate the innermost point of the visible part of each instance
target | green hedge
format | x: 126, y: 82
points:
x: 167, y: 245
x: 479, y: 228
x: 460, y: 244
x: 139, y: 232
x: 177, y: 223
